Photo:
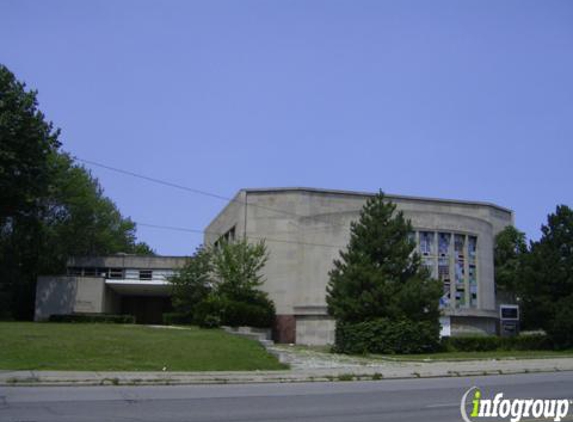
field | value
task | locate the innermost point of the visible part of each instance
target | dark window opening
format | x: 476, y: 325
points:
x: 145, y: 274
x: 116, y: 273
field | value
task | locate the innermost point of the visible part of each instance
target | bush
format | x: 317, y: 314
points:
x: 491, y: 343
x: 238, y: 314
x: 210, y: 321
x: 528, y: 342
x: 387, y: 337
x: 174, y: 318
x: 103, y: 318
x: 208, y: 312
x: 561, y: 328
x: 258, y: 312
x: 470, y: 344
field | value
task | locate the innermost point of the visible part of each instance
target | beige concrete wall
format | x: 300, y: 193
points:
x: 90, y: 295
x: 54, y: 295
x: 305, y: 229
x: 66, y: 295
x: 314, y: 330
x: 466, y: 326
x: 232, y: 215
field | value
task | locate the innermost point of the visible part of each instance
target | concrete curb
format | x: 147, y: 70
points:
x: 427, y: 370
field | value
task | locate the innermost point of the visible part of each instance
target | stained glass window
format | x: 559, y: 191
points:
x: 426, y: 243
x: 444, y: 244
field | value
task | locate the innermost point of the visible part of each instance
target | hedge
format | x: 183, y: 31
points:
x: 491, y: 343
x: 238, y: 314
x: 177, y: 318
x: 103, y: 318
x: 216, y: 311
x: 387, y: 337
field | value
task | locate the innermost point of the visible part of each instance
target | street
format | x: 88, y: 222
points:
x: 436, y: 399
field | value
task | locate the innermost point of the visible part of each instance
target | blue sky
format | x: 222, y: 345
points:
x: 468, y: 100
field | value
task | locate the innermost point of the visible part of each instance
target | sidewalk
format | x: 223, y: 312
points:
x: 383, y: 370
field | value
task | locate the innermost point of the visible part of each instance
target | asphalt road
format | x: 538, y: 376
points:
x: 432, y: 399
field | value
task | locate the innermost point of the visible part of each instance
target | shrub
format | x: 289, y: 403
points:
x: 387, y: 337
x: 258, y: 312
x: 470, y: 344
x: 528, y: 342
x: 173, y: 318
x: 207, y: 312
x: 561, y: 329
x: 210, y: 321
x: 102, y: 318
x: 238, y: 314
x: 491, y: 343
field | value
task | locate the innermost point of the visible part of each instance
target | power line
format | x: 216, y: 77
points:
x: 266, y: 239
x: 203, y: 192
x: 154, y: 180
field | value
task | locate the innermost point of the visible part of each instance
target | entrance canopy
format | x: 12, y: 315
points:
x: 140, y: 288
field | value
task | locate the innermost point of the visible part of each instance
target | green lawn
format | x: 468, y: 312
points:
x: 110, y: 347
x: 450, y: 356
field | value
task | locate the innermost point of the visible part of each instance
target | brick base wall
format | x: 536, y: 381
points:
x: 284, y: 330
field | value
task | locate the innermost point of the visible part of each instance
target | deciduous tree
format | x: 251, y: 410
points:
x: 547, y: 278
x: 50, y: 207
x: 510, y: 248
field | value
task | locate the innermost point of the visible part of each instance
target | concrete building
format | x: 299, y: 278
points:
x: 305, y: 229
x: 120, y: 284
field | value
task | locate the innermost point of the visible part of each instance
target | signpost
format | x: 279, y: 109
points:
x: 508, y: 320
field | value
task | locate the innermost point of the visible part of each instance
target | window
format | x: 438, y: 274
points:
x: 460, y: 296
x: 90, y: 272
x: 116, y: 273
x: 460, y: 271
x: 412, y: 236
x: 75, y: 271
x: 429, y: 264
x: 472, y: 247
x: 444, y: 277
x: 472, y: 273
x: 459, y: 243
x: 456, y: 266
x: 473, y: 295
x: 444, y: 244
x: 426, y: 243
x: 446, y: 298
x: 472, y: 277
x: 145, y: 274
x: 162, y: 274
x: 444, y: 269
x: 228, y: 237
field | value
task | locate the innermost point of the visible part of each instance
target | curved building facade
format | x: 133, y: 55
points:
x: 305, y: 228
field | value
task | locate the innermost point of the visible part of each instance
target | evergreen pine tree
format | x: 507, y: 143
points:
x: 379, y: 275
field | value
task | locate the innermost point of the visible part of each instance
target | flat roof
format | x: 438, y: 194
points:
x: 128, y: 261
x: 130, y: 255
x: 366, y: 194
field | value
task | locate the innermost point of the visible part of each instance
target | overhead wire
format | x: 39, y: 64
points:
x: 267, y: 239
x: 205, y: 193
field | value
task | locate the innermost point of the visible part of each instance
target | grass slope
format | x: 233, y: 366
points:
x: 110, y: 347
x: 325, y: 352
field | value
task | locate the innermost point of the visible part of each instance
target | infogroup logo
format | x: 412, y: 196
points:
x: 513, y: 409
